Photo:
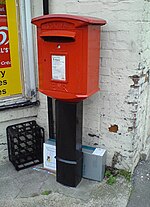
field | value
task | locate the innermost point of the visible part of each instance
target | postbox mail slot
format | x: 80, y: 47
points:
x: 58, y: 35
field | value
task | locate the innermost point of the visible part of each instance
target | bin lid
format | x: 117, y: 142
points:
x: 65, y: 17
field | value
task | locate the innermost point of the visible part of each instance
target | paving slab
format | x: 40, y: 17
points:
x: 140, y: 196
x: 26, y: 188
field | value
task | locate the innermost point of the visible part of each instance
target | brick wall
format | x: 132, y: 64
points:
x: 19, y: 115
x: 10, y: 117
x: 117, y: 117
x: 141, y: 142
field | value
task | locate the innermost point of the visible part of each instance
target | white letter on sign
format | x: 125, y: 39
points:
x: 3, y: 33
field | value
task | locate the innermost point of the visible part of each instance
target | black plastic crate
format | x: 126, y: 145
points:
x: 25, y: 144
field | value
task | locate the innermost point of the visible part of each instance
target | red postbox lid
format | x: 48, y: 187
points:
x: 84, y: 20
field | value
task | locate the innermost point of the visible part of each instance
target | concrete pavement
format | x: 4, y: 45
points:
x: 37, y: 188
x: 140, y: 196
x: 32, y: 188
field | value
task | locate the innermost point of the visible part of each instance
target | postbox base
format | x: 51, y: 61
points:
x: 69, y: 174
x: 69, y: 142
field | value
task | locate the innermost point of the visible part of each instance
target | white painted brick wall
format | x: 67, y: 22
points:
x: 19, y: 115
x: 122, y: 101
x: 142, y: 136
x: 11, y: 117
x: 119, y: 102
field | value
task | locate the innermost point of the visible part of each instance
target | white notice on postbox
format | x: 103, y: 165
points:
x: 58, y: 67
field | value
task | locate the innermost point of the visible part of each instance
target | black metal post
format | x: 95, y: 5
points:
x: 45, y: 7
x: 49, y: 100
x: 69, y: 142
x: 50, y: 118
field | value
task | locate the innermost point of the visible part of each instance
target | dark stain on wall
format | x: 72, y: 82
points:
x: 93, y: 135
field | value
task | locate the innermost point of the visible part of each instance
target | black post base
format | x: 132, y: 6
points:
x: 69, y: 142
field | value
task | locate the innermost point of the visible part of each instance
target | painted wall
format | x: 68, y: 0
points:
x: 116, y: 118
x: 10, y: 117
x: 13, y: 116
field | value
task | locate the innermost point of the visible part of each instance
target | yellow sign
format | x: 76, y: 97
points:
x: 10, y: 76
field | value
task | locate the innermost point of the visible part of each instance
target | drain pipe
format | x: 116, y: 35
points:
x: 45, y: 7
x: 49, y: 100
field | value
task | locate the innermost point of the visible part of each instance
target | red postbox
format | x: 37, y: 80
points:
x: 68, y: 55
